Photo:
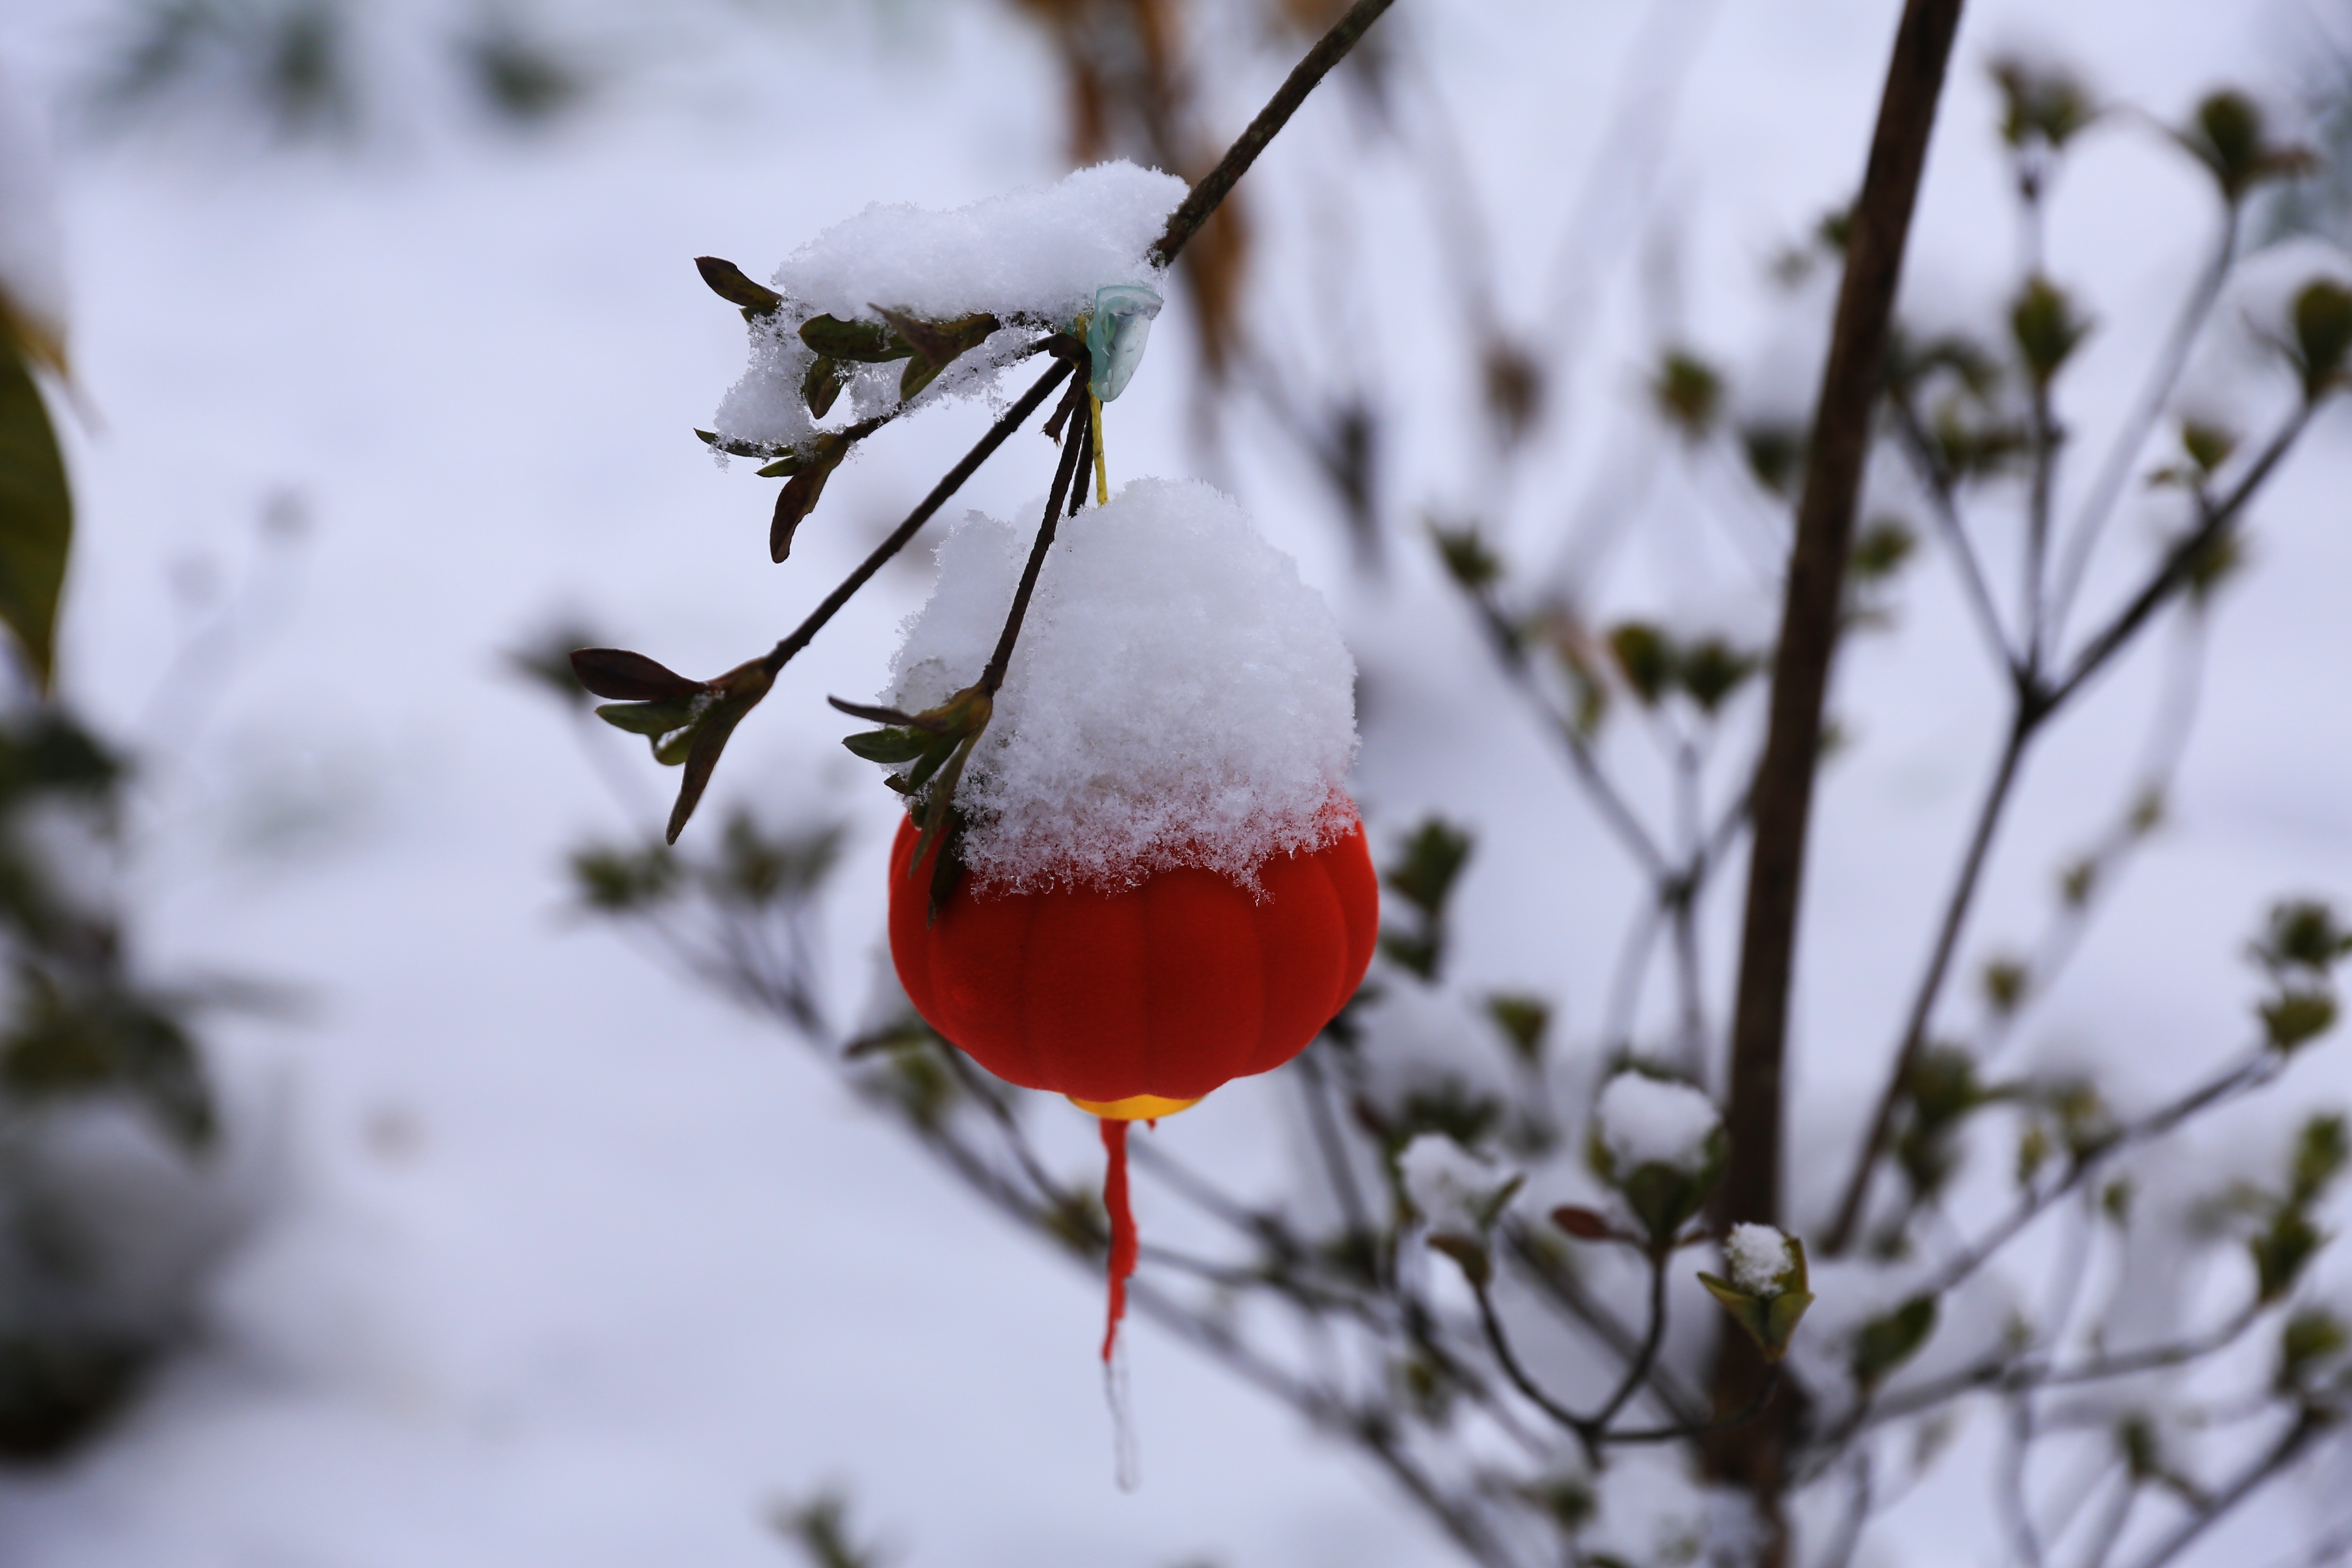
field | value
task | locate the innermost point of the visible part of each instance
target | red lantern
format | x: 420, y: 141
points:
x: 1136, y: 1000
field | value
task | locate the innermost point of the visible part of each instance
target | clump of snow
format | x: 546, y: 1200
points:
x: 1645, y: 1120
x: 1756, y: 1255
x: 1033, y: 257
x: 1452, y: 1190
x: 1039, y: 252
x: 1177, y: 696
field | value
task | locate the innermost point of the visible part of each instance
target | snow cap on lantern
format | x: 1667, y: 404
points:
x: 1179, y: 697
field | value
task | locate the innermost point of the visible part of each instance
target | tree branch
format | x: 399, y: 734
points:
x: 805, y: 633
x: 1215, y: 185
x: 1851, y: 383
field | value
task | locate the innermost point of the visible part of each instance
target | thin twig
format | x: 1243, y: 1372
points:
x: 1218, y: 183
x: 2163, y: 376
x: 1944, y: 506
x: 1931, y: 983
x: 1074, y: 447
x: 2180, y: 563
x: 2307, y: 1425
x: 904, y: 532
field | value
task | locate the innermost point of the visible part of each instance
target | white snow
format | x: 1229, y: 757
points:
x: 1039, y: 252
x: 1645, y: 1120
x: 1448, y: 1186
x: 1177, y: 696
x: 1034, y: 258
x: 1756, y: 1255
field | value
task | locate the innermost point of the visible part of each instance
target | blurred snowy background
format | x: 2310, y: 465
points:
x: 388, y: 349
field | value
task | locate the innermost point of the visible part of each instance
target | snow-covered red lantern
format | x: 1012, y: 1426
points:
x: 1165, y: 885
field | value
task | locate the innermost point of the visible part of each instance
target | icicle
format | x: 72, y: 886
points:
x: 1122, y: 1227
x: 1127, y: 1463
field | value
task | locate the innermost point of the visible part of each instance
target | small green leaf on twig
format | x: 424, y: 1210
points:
x: 937, y: 344
x: 36, y: 515
x: 821, y: 385
x: 625, y: 677
x: 2040, y: 103
x: 889, y: 746
x: 655, y: 719
x: 1885, y: 1342
x: 1689, y: 392
x: 1768, y: 1315
x: 2227, y: 135
x: 1525, y: 1021
x: 800, y: 492
x: 2323, y: 334
x: 1467, y: 558
x: 864, y: 342
x: 2045, y: 325
x: 736, y: 693
x: 726, y: 281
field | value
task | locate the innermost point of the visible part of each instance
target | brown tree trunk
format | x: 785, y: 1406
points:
x: 1755, y: 1456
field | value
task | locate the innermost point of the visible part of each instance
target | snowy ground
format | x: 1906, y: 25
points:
x: 567, y: 1266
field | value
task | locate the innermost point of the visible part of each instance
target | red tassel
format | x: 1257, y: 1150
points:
x: 1122, y: 1226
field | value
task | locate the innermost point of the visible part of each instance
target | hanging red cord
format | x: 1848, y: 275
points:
x: 1122, y: 1226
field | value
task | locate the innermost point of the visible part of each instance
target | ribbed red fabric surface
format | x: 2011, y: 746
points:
x: 1169, y: 987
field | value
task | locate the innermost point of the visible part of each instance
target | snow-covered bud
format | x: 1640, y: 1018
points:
x: 1660, y: 1145
x: 1767, y: 1291
x: 1457, y: 1196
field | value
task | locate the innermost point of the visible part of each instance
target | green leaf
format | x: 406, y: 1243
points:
x: 1646, y: 658
x: 2309, y: 1339
x: 36, y: 516
x: 1882, y: 550
x: 740, y: 690
x: 2208, y: 446
x: 1524, y: 1021
x: 1689, y: 392
x: 2321, y: 1150
x: 1426, y: 865
x: 1884, y: 1343
x: 821, y: 386
x: 1776, y: 455
x: 2281, y: 1251
x: 727, y: 280
x: 2040, y: 103
x: 2323, y: 333
x: 621, y: 881
x: 784, y: 467
x: 800, y: 492
x: 1467, y: 558
x: 864, y: 342
x: 655, y: 719
x: 625, y: 677
x: 1712, y: 670
x: 2296, y: 1018
x: 2045, y: 328
x: 889, y: 746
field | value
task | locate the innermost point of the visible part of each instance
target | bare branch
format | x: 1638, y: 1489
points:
x: 1215, y: 185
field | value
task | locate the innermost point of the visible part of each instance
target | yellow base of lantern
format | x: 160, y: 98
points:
x: 1134, y: 1108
